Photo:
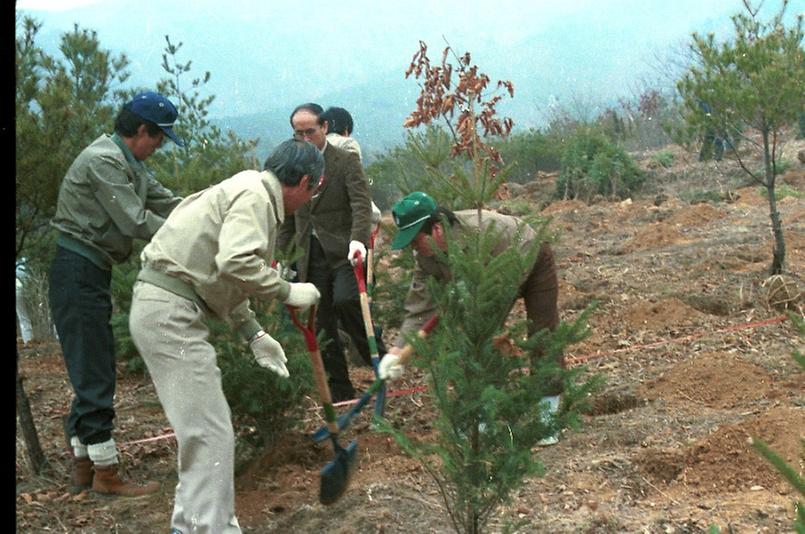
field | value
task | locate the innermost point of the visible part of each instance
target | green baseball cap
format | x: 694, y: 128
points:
x: 410, y: 214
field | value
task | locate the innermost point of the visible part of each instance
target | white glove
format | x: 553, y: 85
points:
x: 303, y: 296
x: 356, y: 246
x: 390, y: 367
x: 376, y: 214
x: 269, y: 354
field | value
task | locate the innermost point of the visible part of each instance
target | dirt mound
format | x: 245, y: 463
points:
x: 696, y: 215
x: 794, y: 178
x: 715, y: 380
x: 671, y: 312
x: 563, y: 205
x: 751, y: 196
x: 726, y: 461
x: 656, y: 235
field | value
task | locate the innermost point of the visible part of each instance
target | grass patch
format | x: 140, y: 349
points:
x: 664, y: 158
x: 700, y: 197
x: 782, y: 191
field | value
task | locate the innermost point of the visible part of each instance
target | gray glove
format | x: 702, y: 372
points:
x: 268, y: 353
x: 303, y: 296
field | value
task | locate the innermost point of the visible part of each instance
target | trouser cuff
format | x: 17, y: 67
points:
x: 103, y: 454
x: 79, y: 449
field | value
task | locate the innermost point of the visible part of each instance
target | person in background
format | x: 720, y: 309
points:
x: 713, y: 142
x: 107, y: 199
x: 421, y: 223
x: 339, y: 127
x: 26, y: 329
x: 213, y: 253
x: 329, y: 232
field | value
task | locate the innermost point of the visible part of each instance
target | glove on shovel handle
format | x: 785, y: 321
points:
x: 405, y: 354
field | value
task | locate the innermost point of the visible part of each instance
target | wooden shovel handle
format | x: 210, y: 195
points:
x: 319, y: 374
x: 408, y: 350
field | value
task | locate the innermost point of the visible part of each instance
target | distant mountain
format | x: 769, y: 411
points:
x: 378, y: 109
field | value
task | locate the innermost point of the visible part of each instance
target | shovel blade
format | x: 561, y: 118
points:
x: 336, y: 474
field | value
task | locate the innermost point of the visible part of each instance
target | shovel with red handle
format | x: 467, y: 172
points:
x: 405, y: 354
x: 370, y: 279
x: 380, y: 400
x: 335, y: 474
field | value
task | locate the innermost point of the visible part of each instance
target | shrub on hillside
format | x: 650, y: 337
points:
x: 592, y: 165
x: 530, y: 152
x: 664, y: 158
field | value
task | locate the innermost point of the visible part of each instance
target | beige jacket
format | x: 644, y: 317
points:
x: 419, y: 305
x: 221, y: 242
x: 347, y: 143
x: 108, y: 198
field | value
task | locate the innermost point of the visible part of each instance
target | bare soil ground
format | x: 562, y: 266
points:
x: 696, y: 362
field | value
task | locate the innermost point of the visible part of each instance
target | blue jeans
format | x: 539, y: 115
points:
x: 81, y: 305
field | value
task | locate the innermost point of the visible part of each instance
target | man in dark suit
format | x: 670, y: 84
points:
x: 329, y: 231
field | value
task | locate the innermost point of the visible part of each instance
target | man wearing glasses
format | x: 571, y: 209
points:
x: 329, y: 232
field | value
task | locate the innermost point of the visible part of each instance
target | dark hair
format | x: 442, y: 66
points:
x: 312, y: 107
x: 293, y: 159
x: 338, y: 120
x: 438, y: 215
x: 127, y: 123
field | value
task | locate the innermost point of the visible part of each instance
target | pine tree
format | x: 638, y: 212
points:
x: 754, y: 81
x: 490, y: 415
x: 62, y: 104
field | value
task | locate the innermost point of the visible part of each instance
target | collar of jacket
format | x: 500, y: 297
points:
x: 134, y: 162
x: 274, y: 189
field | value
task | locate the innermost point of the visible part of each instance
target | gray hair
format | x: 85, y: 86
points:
x: 293, y: 159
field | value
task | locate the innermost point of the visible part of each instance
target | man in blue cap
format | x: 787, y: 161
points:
x: 106, y: 200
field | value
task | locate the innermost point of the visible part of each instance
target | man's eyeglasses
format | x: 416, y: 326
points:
x: 301, y: 134
x: 318, y: 186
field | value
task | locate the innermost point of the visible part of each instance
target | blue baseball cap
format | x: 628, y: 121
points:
x: 156, y: 108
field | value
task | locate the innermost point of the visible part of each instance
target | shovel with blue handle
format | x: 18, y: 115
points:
x: 345, y: 419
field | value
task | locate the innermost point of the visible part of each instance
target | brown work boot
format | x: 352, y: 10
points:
x: 80, y: 475
x: 108, y: 482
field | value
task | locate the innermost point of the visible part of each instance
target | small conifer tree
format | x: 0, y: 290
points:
x: 490, y: 415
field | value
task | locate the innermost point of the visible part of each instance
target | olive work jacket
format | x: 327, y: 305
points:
x: 419, y: 305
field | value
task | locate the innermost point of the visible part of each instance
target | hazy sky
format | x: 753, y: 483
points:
x: 266, y: 53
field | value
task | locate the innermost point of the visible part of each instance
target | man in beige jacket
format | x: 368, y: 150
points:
x: 212, y: 254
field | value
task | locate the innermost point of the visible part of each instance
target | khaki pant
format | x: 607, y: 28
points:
x: 172, y: 339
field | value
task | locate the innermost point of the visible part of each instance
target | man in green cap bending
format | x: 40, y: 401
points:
x: 421, y: 223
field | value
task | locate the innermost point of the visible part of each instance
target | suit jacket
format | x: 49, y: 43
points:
x: 341, y: 212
